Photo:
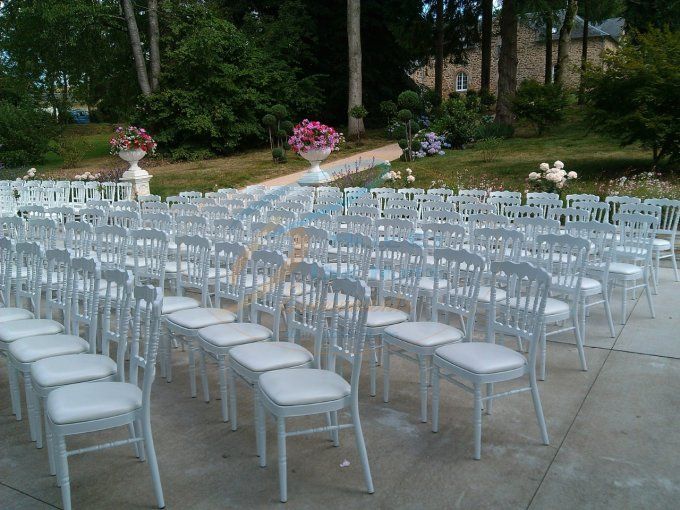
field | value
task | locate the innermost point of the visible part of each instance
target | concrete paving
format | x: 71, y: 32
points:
x: 613, y: 433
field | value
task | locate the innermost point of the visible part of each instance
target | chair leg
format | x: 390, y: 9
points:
x: 579, y: 339
x: 153, y: 462
x: 478, y: 421
x: 133, y: 434
x: 361, y: 447
x: 335, y: 435
x: 15, y: 391
x: 650, y: 300
x: 422, y: 365
x: 386, y: 372
x: 539, y: 409
x: 224, y: 391
x: 544, y: 352
x: 30, y: 410
x: 675, y: 264
x: 62, y: 472
x: 624, y: 299
x: 435, y: 399
x: 283, y: 482
x: 488, y: 405
x: 168, y: 357
x: 655, y: 270
x: 139, y: 432
x: 372, y: 364
x: 260, y: 428
x: 192, y: 369
x: 50, y: 447
x: 204, y: 375
x: 608, y: 311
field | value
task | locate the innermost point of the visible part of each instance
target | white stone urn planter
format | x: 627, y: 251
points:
x: 315, y: 175
x: 137, y: 176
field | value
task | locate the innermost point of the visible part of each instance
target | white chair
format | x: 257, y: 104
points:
x: 479, y: 194
x: 218, y: 340
x: 48, y: 374
x: 111, y: 245
x: 664, y: 240
x: 7, y: 311
x: 456, y: 277
x: 293, y: 392
x: 13, y: 227
x: 632, y: 260
x: 124, y: 191
x: 615, y: 203
x: 581, y: 197
x: 531, y: 195
x: 564, y: 258
x: 79, y: 238
x: 305, y: 317
x: 95, y: 406
x: 94, y: 216
x: 518, y: 313
x: 193, y: 273
x: 400, y: 267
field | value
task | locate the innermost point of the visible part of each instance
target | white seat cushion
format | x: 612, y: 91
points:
x: 235, y: 333
x: 173, y: 304
x: 480, y: 357
x: 92, y: 401
x: 590, y: 285
x: 662, y: 244
x: 33, y: 348
x: 552, y: 306
x: 379, y: 316
x: 624, y: 269
x: 427, y: 283
x: 294, y: 386
x: 71, y: 369
x: 266, y: 356
x: 374, y: 274
x: 485, y: 294
x: 196, y: 318
x: 14, y: 330
x: 14, y: 314
x: 425, y: 334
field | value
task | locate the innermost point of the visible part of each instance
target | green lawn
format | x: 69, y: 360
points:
x: 595, y: 158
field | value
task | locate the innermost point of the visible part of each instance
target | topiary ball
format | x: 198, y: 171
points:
x: 403, y: 143
x: 409, y: 100
x: 405, y: 115
x: 269, y: 120
x: 279, y: 111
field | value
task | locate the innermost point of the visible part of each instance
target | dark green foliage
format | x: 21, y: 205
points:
x: 491, y: 129
x: 389, y: 110
x: 457, y: 122
x: 358, y: 112
x: 25, y: 129
x: 541, y: 105
x: 409, y: 100
x: 634, y: 97
x: 279, y: 154
x: 215, y: 88
x: 404, y: 115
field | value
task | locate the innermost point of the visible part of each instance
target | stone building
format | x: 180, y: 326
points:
x: 530, y: 56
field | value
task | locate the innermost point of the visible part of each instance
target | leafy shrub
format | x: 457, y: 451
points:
x: 634, y: 97
x: 490, y: 129
x: 487, y: 99
x: 389, y: 110
x: 457, y: 122
x: 25, y: 133
x: 541, y: 105
x: 409, y: 100
x: 216, y: 87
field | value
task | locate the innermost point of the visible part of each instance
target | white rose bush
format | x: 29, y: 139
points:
x: 551, y: 179
x: 397, y: 180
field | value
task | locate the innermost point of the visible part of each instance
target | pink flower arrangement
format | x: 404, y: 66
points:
x: 311, y: 135
x: 132, y: 138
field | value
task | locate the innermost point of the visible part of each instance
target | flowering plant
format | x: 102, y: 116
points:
x: 132, y: 138
x: 429, y: 144
x: 396, y: 179
x: 30, y: 175
x: 311, y: 135
x: 551, y: 179
x: 87, y: 176
x: 641, y: 185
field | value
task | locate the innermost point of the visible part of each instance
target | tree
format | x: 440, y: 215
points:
x: 487, y: 28
x: 633, y: 97
x: 355, y: 78
x: 146, y: 85
x: 642, y: 15
x: 439, y: 47
x: 565, y: 41
x: 507, y: 62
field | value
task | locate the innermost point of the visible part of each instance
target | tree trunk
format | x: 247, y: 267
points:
x: 154, y: 51
x: 565, y: 42
x: 136, y: 44
x: 548, y: 76
x: 439, y: 49
x: 355, y: 78
x: 487, y: 27
x: 507, y: 63
x: 584, y: 52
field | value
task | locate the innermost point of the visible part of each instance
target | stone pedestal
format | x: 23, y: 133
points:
x: 140, y: 182
x: 315, y: 176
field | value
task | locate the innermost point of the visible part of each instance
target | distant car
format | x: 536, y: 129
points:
x: 80, y: 116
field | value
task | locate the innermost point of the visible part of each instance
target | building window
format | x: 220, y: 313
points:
x: 461, y: 82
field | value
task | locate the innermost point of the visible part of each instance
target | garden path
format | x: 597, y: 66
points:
x: 363, y: 160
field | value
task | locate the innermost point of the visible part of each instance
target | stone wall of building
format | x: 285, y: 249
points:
x: 530, y: 61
